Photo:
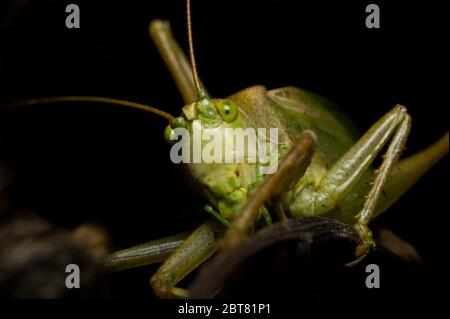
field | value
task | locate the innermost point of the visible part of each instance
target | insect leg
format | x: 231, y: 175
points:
x: 409, y: 170
x: 145, y: 254
x: 174, y: 58
x: 389, y: 160
x: 200, y: 245
x: 347, y: 171
x: 291, y: 168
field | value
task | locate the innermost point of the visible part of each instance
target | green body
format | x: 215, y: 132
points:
x: 324, y: 167
x: 291, y: 110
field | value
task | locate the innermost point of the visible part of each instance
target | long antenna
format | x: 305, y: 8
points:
x: 191, y: 47
x: 94, y: 99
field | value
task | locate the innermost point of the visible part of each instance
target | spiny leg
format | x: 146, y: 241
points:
x: 404, y: 175
x: 198, y: 247
x: 409, y: 170
x: 291, y: 168
x: 348, y: 170
x: 175, y: 59
x: 390, y: 158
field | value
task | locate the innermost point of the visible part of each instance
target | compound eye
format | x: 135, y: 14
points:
x: 227, y: 110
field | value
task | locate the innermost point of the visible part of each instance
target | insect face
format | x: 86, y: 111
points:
x: 205, y: 132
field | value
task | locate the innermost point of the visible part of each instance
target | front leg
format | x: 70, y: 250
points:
x: 179, y: 253
x: 198, y: 247
x: 290, y: 170
x: 148, y: 253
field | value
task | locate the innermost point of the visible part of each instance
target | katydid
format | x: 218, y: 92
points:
x: 324, y: 167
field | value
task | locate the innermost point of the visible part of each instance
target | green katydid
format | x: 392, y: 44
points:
x: 324, y: 168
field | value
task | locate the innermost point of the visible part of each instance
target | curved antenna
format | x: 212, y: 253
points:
x: 94, y: 99
x: 191, y: 48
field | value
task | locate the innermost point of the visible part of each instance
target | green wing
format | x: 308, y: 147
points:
x: 302, y: 110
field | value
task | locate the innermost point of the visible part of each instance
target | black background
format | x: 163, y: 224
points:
x: 109, y: 165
